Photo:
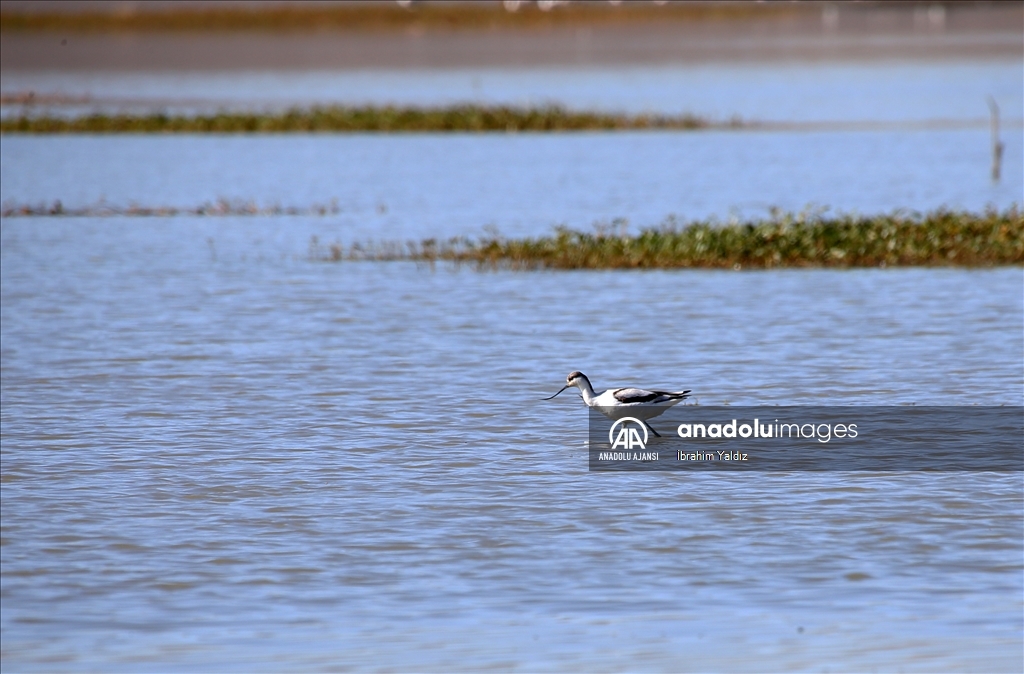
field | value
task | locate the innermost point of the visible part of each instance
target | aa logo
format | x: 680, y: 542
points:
x: 628, y: 437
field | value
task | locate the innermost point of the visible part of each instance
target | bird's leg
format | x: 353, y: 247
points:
x: 651, y: 429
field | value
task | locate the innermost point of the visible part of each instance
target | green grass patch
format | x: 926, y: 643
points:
x: 342, y: 119
x: 939, y: 238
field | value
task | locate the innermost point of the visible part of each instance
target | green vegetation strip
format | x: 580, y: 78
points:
x: 939, y: 238
x: 353, y: 119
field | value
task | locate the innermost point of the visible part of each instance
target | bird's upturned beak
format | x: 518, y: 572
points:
x: 562, y: 389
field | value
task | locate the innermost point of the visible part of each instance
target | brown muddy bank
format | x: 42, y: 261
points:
x: 331, y: 36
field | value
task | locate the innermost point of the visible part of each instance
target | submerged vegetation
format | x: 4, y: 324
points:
x: 939, y: 238
x: 220, y: 207
x: 351, y: 119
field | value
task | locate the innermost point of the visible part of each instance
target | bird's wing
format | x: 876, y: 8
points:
x: 635, y: 395
x: 639, y: 395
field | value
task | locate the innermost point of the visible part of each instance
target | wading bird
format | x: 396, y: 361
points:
x: 624, y: 402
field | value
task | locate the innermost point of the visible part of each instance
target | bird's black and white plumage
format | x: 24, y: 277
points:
x: 618, y: 402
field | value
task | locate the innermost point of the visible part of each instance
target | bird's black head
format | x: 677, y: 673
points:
x: 573, y: 376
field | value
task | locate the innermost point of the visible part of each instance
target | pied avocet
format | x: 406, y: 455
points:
x: 621, y: 402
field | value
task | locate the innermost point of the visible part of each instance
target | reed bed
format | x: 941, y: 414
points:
x: 939, y: 238
x: 341, y: 119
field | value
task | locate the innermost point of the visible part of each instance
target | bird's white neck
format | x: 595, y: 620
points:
x: 583, y: 384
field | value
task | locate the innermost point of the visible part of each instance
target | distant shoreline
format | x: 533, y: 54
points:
x: 457, y: 36
x: 380, y: 16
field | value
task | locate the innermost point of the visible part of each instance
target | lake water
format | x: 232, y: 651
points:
x: 221, y: 454
x: 894, y: 90
x: 897, y: 134
x: 229, y: 459
x: 435, y: 185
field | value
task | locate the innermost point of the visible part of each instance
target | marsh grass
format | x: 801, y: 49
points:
x: 939, y: 238
x: 471, y: 118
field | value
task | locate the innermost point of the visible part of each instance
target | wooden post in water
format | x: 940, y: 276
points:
x: 997, y: 145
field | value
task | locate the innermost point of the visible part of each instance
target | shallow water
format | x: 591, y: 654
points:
x: 788, y: 91
x: 232, y: 457
x: 220, y: 454
x: 434, y: 185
